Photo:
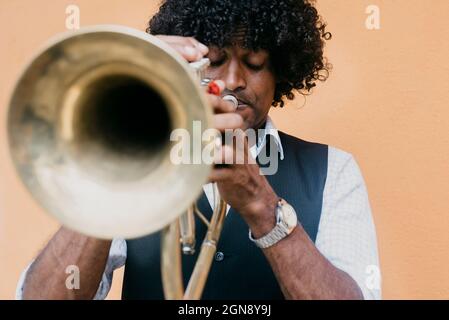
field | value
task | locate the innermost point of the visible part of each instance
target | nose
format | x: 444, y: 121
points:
x: 235, y: 77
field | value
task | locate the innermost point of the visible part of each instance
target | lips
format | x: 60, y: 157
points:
x: 242, y: 103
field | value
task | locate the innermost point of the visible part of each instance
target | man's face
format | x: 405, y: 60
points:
x: 248, y: 75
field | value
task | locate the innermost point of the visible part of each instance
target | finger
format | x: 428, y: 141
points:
x: 224, y: 155
x: 240, y: 140
x: 177, y: 39
x: 189, y: 52
x: 234, y: 151
x: 195, y: 43
x: 200, y: 46
x: 219, y: 105
x: 223, y: 121
x: 185, y: 42
x: 221, y: 174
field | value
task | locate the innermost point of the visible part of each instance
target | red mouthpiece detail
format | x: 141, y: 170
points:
x: 213, y: 88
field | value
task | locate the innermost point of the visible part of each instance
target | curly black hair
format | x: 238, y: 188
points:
x: 291, y: 31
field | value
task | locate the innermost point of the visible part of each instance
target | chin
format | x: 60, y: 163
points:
x: 248, y: 117
x: 247, y: 125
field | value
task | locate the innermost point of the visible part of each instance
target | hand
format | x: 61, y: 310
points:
x: 190, y: 48
x: 240, y: 183
x: 245, y: 189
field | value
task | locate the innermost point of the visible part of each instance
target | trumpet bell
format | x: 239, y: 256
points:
x: 89, y: 128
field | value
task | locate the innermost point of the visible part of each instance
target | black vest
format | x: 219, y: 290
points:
x: 240, y: 270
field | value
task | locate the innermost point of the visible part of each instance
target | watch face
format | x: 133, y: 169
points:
x: 289, y: 215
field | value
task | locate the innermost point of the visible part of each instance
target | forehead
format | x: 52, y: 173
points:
x: 237, y: 43
x: 238, y: 36
x: 238, y: 50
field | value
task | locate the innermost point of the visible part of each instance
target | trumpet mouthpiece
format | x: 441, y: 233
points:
x: 232, y: 99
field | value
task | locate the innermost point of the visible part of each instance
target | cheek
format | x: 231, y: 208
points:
x: 214, y: 73
x: 271, y: 87
x: 264, y: 89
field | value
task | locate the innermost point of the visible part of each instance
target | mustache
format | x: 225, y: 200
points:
x: 240, y: 97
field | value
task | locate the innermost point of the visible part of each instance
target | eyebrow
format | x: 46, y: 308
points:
x: 219, y: 53
x: 246, y: 51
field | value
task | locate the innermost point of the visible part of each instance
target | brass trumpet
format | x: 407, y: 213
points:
x: 89, y: 124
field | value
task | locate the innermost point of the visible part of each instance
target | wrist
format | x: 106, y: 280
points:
x: 261, y: 219
x: 286, y: 222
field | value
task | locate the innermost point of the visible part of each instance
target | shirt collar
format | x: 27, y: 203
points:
x: 269, y: 129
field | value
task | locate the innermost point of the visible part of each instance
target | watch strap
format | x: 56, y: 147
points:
x: 279, y: 232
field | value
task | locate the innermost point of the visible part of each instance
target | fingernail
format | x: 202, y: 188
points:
x: 190, y: 51
x: 203, y: 48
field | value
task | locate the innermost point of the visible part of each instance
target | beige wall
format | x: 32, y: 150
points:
x: 386, y: 102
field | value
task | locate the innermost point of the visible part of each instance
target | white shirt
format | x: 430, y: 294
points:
x: 346, y: 233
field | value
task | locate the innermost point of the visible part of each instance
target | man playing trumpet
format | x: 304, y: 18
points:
x: 305, y: 232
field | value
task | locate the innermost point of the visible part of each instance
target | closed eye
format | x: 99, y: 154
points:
x: 217, y: 63
x: 255, y: 67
